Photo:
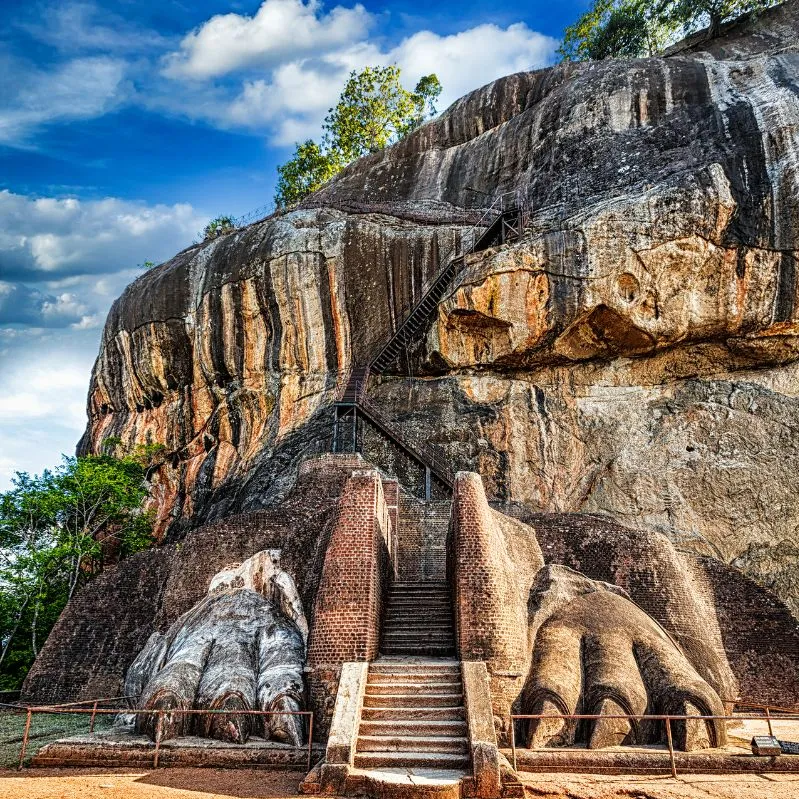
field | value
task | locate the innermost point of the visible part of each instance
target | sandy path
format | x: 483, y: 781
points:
x: 690, y: 786
x: 201, y: 783
x: 168, y: 783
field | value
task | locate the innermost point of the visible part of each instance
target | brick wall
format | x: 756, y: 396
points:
x: 760, y: 635
x: 492, y: 585
x: 100, y: 631
x: 422, y: 539
x: 349, y: 602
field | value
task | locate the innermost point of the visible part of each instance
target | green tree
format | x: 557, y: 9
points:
x: 615, y: 29
x: 56, y: 530
x: 632, y: 28
x: 695, y: 14
x: 304, y: 173
x: 373, y: 111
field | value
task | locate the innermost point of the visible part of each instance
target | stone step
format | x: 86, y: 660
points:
x: 423, y: 729
x: 412, y: 743
x: 416, y: 611
x: 405, y: 629
x: 413, y: 677
x: 372, y: 760
x: 420, y: 666
x: 412, y: 700
x: 422, y: 638
x: 442, y: 621
x: 416, y: 584
x: 415, y: 632
x: 394, y: 688
x: 397, y: 714
x: 396, y: 650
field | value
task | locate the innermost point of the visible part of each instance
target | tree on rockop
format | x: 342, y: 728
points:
x: 373, y: 111
x: 633, y: 28
x: 56, y: 531
x: 695, y: 14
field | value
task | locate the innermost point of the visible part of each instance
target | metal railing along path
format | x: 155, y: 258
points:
x: 667, y: 718
x: 94, y: 711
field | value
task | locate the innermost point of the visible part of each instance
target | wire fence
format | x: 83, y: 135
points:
x: 24, y: 731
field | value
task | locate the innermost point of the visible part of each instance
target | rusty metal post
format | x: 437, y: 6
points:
x: 158, y: 730
x: 24, y: 740
x: 768, y: 718
x: 513, y: 740
x: 310, y: 740
x: 671, y: 748
x: 94, y: 713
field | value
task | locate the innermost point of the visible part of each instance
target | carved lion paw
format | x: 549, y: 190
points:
x: 597, y: 653
x: 231, y: 651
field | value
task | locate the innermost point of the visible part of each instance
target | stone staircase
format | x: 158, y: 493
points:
x: 413, y: 716
x: 418, y: 620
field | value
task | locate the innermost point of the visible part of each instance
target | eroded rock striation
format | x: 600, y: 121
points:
x: 634, y: 354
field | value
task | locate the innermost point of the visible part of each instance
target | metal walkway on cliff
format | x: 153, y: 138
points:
x: 501, y: 223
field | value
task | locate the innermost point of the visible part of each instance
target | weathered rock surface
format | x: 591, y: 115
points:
x: 634, y: 354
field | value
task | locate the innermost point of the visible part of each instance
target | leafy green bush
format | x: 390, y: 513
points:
x: 218, y: 227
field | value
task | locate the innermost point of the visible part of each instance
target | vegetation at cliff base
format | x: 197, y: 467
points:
x: 373, y: 111
x: 632, y: 28
x: 58, y: 529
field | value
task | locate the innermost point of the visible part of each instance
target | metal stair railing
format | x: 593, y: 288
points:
x: 433, y: 289
x: 507, y: 220
x: 427, y: 455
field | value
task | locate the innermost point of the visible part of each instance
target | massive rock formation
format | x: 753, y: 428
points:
x: 634, y: 354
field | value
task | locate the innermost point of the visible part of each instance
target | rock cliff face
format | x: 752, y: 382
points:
x: 636, y: 353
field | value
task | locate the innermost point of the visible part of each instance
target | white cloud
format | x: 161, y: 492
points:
x: 280, y: 30
x: 291, y: 101
x: 84, y: 26
x: 42, y: 407
x: 80, y: 88
x: 62, y: 263
x: 467, y: 60
x: 48, y: 239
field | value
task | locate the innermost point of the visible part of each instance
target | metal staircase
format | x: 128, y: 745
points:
x: 501, y: 223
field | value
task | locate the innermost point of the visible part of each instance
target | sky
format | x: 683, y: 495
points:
x: 125, y: 125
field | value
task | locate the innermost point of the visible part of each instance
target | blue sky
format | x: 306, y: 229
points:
x: 126, y: 125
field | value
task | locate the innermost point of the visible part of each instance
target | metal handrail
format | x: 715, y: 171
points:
x: 355, y: 390
x: 60, y: 709
x: 428, y: 454
x: 668, y: 718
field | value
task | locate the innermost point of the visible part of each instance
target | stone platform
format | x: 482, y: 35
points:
x: 118, y: 748
x: 736, y: 757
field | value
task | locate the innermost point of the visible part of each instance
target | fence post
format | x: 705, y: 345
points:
x: 671, y: 747
x: 310, y: 739
x: 513, y: 740
x: 24, y: 740
x: 94, y: 713
x: 158, y: 728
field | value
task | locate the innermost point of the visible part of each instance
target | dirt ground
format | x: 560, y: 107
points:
x: 197, y: 783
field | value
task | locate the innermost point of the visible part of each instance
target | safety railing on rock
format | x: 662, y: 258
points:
x: 95, y: 711
x: 503, y: 218
x: 666, y: 718
x: 426, y: 455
